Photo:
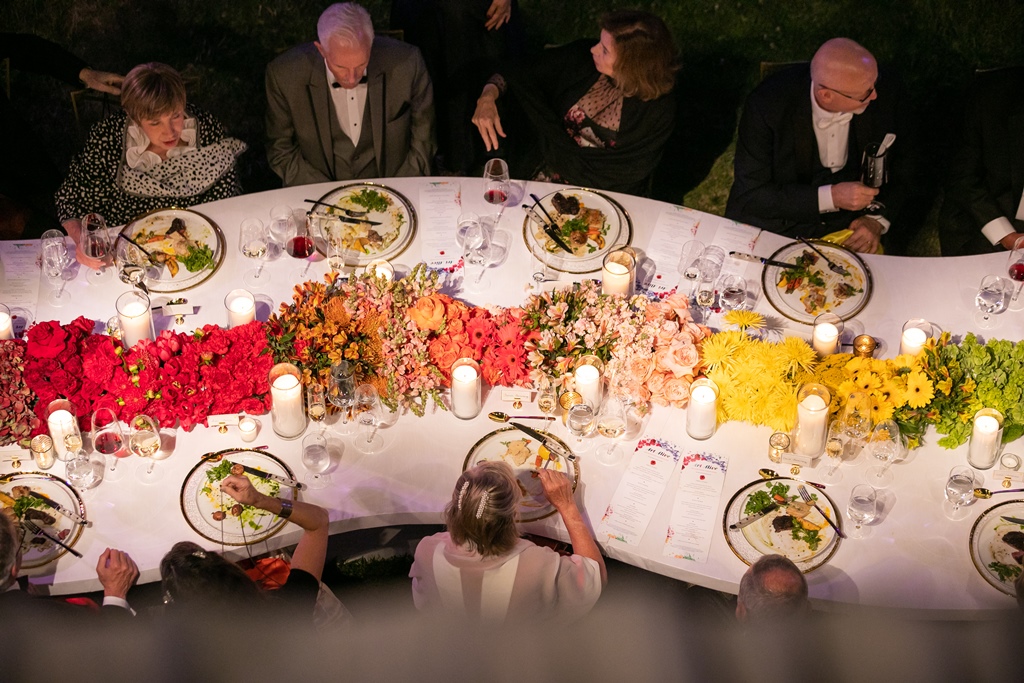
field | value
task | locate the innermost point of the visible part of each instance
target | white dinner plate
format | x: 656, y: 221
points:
x: 616, y: 229
x: 395, y: 232
x: 990, y: 553
x: 41, y: 553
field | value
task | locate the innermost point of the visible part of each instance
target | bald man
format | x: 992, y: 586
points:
x: 801, y: 139
x: 773, y: 587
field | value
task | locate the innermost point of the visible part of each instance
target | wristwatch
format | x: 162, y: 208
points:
x: 286, y: 509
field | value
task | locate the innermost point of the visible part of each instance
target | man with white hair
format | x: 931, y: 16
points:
x: 350, y: 105
x: 801, y: 139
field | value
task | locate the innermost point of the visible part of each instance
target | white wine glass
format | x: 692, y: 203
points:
x: 144, y: 441
x: 316, y: 458
x: 108, y: 439
x: 705, y: 298
x: 547, y: 395
x: 580, y: 421
x: 254, y: 243
x: 835, y: 444
x: 316, y: 403
x: 959, y: 491
x: 886, y: 445
x: 94, y: 239
x: 689, y: 264
x: 992, y: 298
x: 862, y: 509
x: 368, y: 415
x: 611, y: 424
x: 855, y: 419
x: 341, y: 392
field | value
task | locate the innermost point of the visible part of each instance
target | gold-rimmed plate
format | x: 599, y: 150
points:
x: 802, y: 295
x: 607, y: 225
x: 395, y: 216
x: 992, y: 550
x: 761, y: 538
x: 201, y: 245
x: 201, y: 497
x: 521, y: 452
x: 37, y: 551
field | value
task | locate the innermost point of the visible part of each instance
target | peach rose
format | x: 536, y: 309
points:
x: 667, y: 332
x: 677, y: 391
x: 679, y: 359
x: 658, y: 310
x: 640, y: 368
x: 656, y: 385
x: 680, y: 305
x: 428, y: 313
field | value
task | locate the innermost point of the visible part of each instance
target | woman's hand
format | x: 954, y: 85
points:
x: 101, y: 81
x: 73, y: 227
x: 486, y: 118
x: 498, y: 13
x: 558, y: 489
x: 241, y: 489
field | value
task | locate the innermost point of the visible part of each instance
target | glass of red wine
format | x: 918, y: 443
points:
x: 874, y: 173
x: 300, y: 245
x: 1015, y: 267
x: 108, y: 439
x: 496, y: 185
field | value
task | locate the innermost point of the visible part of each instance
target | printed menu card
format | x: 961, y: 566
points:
x: 440, y: 205
x: 630, y: 511
x: 675, y: 227
x: 19, y: 280
x: 695, y: 511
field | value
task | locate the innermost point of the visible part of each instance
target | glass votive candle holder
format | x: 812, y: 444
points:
x: 135, y: 318
x: 778, y: 445
x: 618, y: 272
x: 915, y: 333
x: 287, y: 414
x: 248, y: 428
x: 42, y: 451
x: 6, y: 323
x: 986, y: 439
x: 467, y: 389
x: 812, y: 419
x: 828, y: 331
x: 864, y: 346
x: 241, y: 307
x: 380, y: 268
x: 702, y: 411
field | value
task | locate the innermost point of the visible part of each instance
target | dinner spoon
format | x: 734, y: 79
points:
x: 498, y: 416
x: 985, y: 493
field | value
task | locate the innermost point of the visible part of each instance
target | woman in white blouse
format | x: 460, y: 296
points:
x: 481, y: 569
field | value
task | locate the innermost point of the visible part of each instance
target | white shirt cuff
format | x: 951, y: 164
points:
x: 997, y: 229
x: 825, y: 204
x: 117, y: 602
x: 883, y: 221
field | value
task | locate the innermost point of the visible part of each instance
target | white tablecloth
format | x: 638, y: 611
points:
x: 915, y: 559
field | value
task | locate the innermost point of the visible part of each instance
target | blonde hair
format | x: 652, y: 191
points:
x: 152, y: 90
x: 483, y: 511
x: 645, y: 57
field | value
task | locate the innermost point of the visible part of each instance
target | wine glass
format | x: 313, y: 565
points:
x: 547, y: 395
x: 496, y: 185
x: 834, y: 446
x: 316, y: 459
x: 855, y: 420
x: 108, y: 439
x: 991, y: 299
x: 316, y: 405
x: 56, y: 260
x: 300, y: 245
x: 611, y: 424
x: 732, y: 292
x: 689, y: 263
x: 476, y: 256
x: 468, y: 231
x: 706, y: 297
x: 368, y: 414
x: 94, y: 240
x: 580, y: 422
x: 710, y: 263
x: 873, y: 173
x: 862, y: 509
x: 1015, y: 268
x: 254, y: 243
x: 959, y: 491
x: 886, y: 445
x: 132, y: 264
x: 281, y: 228
x: 144, y: 441
x: 82, y: 470
x: 341, y: 391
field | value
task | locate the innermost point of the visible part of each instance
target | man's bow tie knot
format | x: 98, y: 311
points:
x: 835, y: 119
x: 362, y: 81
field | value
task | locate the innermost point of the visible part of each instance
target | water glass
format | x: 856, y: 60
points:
x: 862, y: 509
x: 316, y: 459
x: 368, y: 415
x: 992, y: 299
x: 959, y: 491
x: 886, y: 444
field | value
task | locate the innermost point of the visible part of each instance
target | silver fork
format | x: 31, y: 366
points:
x: 810, y: 501
x: 833, y: 266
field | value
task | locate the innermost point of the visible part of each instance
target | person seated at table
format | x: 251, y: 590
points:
x: 801, y: 138
x: 983, y: 210
x: 116, y: 571
x: 600, y: 113
x: 772, y: 588
x: 480, y: 568
x: 197, y: 579
x: 159, y: 151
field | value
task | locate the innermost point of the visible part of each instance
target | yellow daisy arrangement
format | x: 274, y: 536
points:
x: 744, y: 320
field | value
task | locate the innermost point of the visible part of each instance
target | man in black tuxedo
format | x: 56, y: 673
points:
x: 801, y: 139
x: 983, y: 210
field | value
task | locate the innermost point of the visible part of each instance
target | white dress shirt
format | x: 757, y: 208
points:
x: 832, y: 132
x: 348, y: 106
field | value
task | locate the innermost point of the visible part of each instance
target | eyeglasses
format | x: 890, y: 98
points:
x: 862, y: 100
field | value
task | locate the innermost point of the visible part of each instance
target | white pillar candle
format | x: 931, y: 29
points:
x: 588, y: 384
x: 247, y: 427
x: 241, y: 306
x: 60, y: 423
x: 912, y: 341
x: 812, y: 423
x: 986, y: 437
x: 618, y: 273
x: 286, y: 412
x: 702, y: 412
x: 135, y: 317
x: 6, y: 323
x: 825, y: 339
x: 466, y: 390
x: 382, y: 269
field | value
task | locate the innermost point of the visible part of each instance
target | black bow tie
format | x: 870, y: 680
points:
x: 362, y: 81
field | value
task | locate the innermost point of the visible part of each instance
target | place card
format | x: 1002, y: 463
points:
x: 675, y: 227
x: 439, y: 208
x: 630, y: 511
x: 695, y: 510
x: 19, y: 280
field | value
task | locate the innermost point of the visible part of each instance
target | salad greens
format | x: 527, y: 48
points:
x: 198, y: 258
x: 371, y: 200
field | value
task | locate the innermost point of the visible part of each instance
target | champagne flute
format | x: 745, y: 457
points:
x: 547, y: 396
x: 1015, y: 268
x: 316, y: 405
x: 108, y: 439
x: 886, y: 445
x: 834, y: 447
x: 144, y: 441
x: 369, y: 416
x: 855, y: 420
x: 496, y: 185
x: 611, y: 424
x: 991, y: 299
x: 580, y: 422
x: 73, y: 440
x: 689, y: 263
x: 959, y: 490
x: 254, y: 243
x: 862, y: 509
x: 95, y: 242
x: 873, y: 173
x: 341, y: 391
x: 732, y: 292
x: 316, y: 459
x: 705, y: 298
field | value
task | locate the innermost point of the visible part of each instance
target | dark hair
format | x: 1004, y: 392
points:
x: 645, y: 61
x: 773, y: 587
x: 483, y: 509
x: 203, y: 579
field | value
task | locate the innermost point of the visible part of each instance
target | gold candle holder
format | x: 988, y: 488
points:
x: 864, y: 346
x: 778, y: 445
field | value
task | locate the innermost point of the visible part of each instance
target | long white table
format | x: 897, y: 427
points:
x: 915, y: 559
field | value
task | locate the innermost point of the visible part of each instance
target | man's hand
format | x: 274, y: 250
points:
x: 498, y: 13
x: 486, y: 118
x: 557, y: 488
x: 852, y: 196
x: 101, y: 81
x: 1011, y: 239
x: 117, y: 573
x: 866, y: 231
x: 241, y: 489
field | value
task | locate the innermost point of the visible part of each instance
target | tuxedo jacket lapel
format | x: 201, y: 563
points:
x: 1016, y: 143
x: 319, y: 96
x: 376, y: 101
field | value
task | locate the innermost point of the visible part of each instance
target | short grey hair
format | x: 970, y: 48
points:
x: 349, y: 22
x: 10, y: 547
x: 773, y: 587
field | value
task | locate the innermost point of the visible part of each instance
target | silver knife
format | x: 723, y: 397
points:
x: 548, y: 442
x: 59, y: 508
x: 750, y: 519
x: 271, y: 477
x: 1014, y: 520
x: 760, y: 259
